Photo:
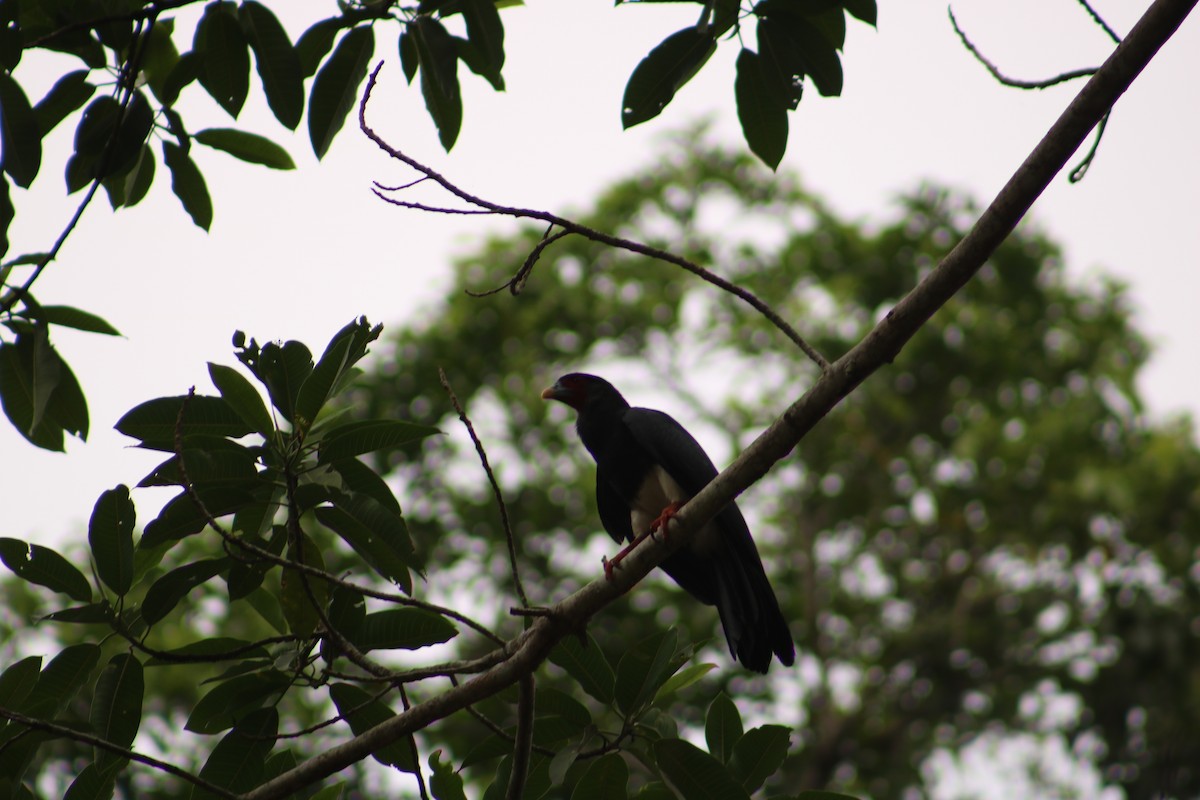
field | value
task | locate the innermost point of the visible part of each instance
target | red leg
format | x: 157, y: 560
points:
x: 659, y: 523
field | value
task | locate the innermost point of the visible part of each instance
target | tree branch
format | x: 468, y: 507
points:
x: 879, y: 347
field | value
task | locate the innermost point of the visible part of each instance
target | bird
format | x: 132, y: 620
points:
x: 647, y: 467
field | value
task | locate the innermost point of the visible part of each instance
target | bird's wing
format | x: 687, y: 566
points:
x: 671, y: 447
x: 614, y: 512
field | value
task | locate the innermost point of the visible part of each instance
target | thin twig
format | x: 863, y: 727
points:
x: 569, y: 226
x: 103, y: 744
x: 1100, y: 21
x: 1014, y: 82
x: 516, y: 283
x: 487, y: 467
x: 523, y: 743
x: 416, y: 755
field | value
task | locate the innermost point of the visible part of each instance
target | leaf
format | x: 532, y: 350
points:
x: 781, y: 64
x: 213, y: 648
x: 188, y: 185
x: 403, y: 629
x: 181, y: 518
x: 283, y: 369
x: 236, y: 763
x: 137, y: 182
x: 606, y: 778
x: 315, y: 43
x: 209, y: 462
x: 7, y: 213
x: 45, y: 567
x: 186, y: 70
x: 821, y: 62
x: 485, y: 32
x: 159, y: 58
x: 369, y: 436
x: 225, y: 71
x: 17, y: 395
x: 642, y: 669
x: 276, y: 60
x: 344, y: 350
x: 335, y: 89
x: 300, y: 592
x: 361, y: 479
x: 94, y: 782
x: 409, y: 57
x: 67, y: 96
x: 110, y: 535
x: 18, y: 680
x: 681, y: 680
x: 758, y: 754
x: 663, y: 72
x: 584, y: 662
x: 439, y: 77
x: 136, y: 121
x: 444, y: 782
x: 116, y: 712
x: 91, y: 614
x: 864, y: 10
x: 722, y: 727
x: 242, y: 397
x: 248, y: 147
x: 75, y: 318
x: 153, y: 422
x: 233, y: 699
x: 376, y: 533
x: 694, y: 773
x: 20, y: 133
x: 763, y: 116
x: 166, y: 592
x: 61, y: 680
x: 362, y: 712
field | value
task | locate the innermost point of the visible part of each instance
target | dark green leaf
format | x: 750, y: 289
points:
x: 233, y: 699
x: 655, y: 791
x: 470, y: 55
x: 369, y: 436
x: 159, y: 58
x: 360, y: 478
x: 643, y: 668
x: 186, y: 70
x: 20, y: 133
x: 236, y: 763
x: 663, y: 72
x: 862, y: 9
x: 821, y: 62
x: 154, y: 421
x: 209, y: 461
x: 69, y: 317
x: 335, y: 89
x: 110, y: 534
x: 555, y: 707
x: 67, y: 95
x: 277, y: 63
x: 781, y: 64
x: 18, y: 681
x: 761, y: 110
x: 485, y: 32
x: 725, y: 16
x: 438, y: 56
x: 216, y: 648
x: 91, y: 614
x: 344, y: 350
x: 188, y: 185
x: 116, y: 712
x: 606, y: 778
x: 315, y: 43
x: 61, y: 680
x: 7, y: 213
x: 403, y: 629
x: 17, y: 395
x: 722, y: 727
x: 225, y: 72
x: 682, y: 679
x: 283, y: 369
x: 362, y: 712
x: 694, y: 773
x: 347, y: 610
x: 135, y: 126
x: 584, y: 662
x: 242, y: 397
x: 444, y: 782
x: 45, y: 567
x: 180, y: 517
x: 95, y: 782
x: 409, y: 58
x: 137, y: 182
x: 819, y: 794
x: 166, y: 592
x: 832, y: 25
x: 376, y: 533
x: 248, y: 147
x: 96, y: 127
x: 758, y: 754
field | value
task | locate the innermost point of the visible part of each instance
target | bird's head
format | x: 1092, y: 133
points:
x: 582, y: 392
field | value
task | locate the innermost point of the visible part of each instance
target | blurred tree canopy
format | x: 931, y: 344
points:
x: 987, y: 541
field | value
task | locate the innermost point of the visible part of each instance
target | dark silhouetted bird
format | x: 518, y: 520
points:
x: 647, y: 467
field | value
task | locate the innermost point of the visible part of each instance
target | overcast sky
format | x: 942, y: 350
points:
x: 297, y: 255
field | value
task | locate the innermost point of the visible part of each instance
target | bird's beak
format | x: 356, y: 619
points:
x: 554, y: 392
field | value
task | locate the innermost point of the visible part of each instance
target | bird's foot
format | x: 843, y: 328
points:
x: 612, y: 563
x: 667, y: 514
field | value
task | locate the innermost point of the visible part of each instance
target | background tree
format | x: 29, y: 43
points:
x: 988, y: 542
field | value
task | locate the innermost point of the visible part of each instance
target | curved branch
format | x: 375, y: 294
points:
x: 878, y: 348
x: 569, y: 226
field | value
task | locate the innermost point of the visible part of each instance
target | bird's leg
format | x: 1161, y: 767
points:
x: 659, y: 523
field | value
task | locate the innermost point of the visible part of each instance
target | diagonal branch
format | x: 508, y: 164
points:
x: 482, y: 206
x: 879, y: 347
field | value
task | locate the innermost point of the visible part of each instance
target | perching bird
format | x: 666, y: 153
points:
x: 647, y: 467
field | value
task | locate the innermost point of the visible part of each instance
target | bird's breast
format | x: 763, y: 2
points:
x: 659, y: 490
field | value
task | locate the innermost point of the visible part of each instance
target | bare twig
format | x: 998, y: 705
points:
x: 416, y: 755
x: 103, y: 744
x: 524, y: 739
x: 482, y: 206
x: 1100, y: 21
x: 516, y: 283
x: 1014, y: 82
x: 879, y: 347
x: 487, y: 467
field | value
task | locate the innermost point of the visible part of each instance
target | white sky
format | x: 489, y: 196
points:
x: 299, y: 254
